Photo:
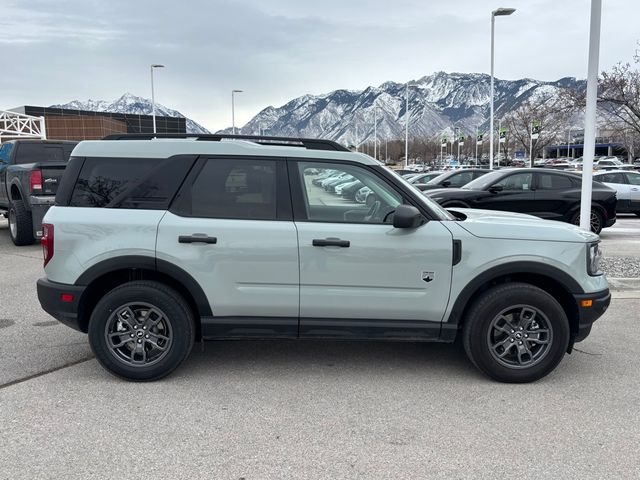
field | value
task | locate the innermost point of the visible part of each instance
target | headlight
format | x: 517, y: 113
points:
x: 594, y: 255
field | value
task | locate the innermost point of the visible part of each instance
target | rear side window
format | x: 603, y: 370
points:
x: 549, y: 181
x: 42, y: 153
x: 233, y: 188
x: 137, y: 183
x: 610, y: 178
x: 5, y: 152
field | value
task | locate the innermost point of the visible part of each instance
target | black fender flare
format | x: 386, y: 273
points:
x: 16, y: 183
x: 519, y: 267
x: 143, y: 262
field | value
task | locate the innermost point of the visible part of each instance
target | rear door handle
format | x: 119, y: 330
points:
x: 197, y: 238
x: 330, y: 242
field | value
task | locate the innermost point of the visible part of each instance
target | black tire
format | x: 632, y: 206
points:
x: 596, y: 221
x: 20, y: 224
x: 178, y: 327
x: 481, y: 327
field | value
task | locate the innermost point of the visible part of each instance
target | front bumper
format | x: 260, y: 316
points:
x: 588, y: 314
x: 50, y: 297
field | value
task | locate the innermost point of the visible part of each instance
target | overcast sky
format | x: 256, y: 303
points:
x: 275, y: 50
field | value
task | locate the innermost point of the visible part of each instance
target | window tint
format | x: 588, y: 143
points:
x: 346, y: 193
x: 460, y: 178
x: 610, y: 178
x: 144, y: 183
x: 549, y: 181
x: 42, y: 152
x: 241, y: 189
x: 519, y: 181
x: 5, y: 152
x: 634, y: 178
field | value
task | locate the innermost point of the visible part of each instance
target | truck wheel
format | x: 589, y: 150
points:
x: 516, y: 333
x: 20, y: 224
x: 141, y: 330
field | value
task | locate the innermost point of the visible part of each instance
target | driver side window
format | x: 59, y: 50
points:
x: 334, y: 192
x: 519, y: 181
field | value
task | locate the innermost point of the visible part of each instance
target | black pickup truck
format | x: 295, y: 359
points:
x: 30, y: 171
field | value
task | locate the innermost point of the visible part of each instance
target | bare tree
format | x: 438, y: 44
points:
x: 619, y: 95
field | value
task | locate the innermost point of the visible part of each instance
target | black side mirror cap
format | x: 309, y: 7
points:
x: 407, y: 216
x: 446, y: 183
x: 495, y: 188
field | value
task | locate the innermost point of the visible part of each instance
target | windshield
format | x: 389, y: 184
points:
x: 484, y: 181
x: 431, y: 204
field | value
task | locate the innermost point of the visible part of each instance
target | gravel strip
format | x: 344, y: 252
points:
x: 621, y: 267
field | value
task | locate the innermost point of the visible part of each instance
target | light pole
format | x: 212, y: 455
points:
x: 590, y: 115
x: 406, y: 126
x: 569, y: 142
x: 375, y: 129
x: 153, y: 96
x: 233, y: 110
x: 496, y: 13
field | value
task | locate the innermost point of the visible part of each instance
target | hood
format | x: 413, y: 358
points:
x: 519, y: 226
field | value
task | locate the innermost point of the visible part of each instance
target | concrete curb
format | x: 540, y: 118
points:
x: 624, y: 284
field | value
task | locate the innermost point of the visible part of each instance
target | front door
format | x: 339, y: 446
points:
x: 634, y: 190
x: 231, y: 229
x: 516, y: 194
x: 360, y: 276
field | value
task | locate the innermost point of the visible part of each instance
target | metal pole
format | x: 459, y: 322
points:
x: 233, y: 113
x: 493, y: 25
x: 499, y: 128
x: 569, y: 142
x: 406, y: 127
x: 375, y: 130
x: 43, y: 129
x: 357, y: 145
x: 153, y: 102
x: 531, y: 145
x: 590, y: 116
x: 476, y: 148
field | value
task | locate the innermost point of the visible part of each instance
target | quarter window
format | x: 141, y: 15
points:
x: 634, y: 178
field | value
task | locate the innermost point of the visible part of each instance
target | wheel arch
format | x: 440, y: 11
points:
x: 108, y: 274
x: 554, y: 281
x: 15, y: 192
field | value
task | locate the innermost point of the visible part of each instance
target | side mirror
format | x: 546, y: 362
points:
x: 495, y: 188
x: 446, y: 183
x: 406, y: 216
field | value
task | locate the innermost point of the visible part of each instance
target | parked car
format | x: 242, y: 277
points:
x: 30, y: 171
x: 611, y: 163
x: 549, y: 194
x: 349, y: 190
x: 154, y: 244
x: 419, y: 178
x: 452, y: 179
x: 627, y: 186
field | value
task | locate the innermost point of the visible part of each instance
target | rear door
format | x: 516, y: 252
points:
x: 553, y: 195
x: 231, y: 229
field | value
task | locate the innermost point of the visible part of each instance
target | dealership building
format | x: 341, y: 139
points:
x: 68, y: 124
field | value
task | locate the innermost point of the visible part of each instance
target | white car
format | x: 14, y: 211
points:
x: 156, y: 243
x: 627, y: 184
x: 611, y: 163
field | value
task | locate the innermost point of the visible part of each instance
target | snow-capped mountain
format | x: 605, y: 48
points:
x: 437, y: 103
x: 129, y: 103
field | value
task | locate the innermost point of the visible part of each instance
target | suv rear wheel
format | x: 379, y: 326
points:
x: 516, y: 333
x: 20, y: 224
x: 141, y: 330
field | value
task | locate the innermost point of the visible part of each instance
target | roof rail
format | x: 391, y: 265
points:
x: 308, y: 143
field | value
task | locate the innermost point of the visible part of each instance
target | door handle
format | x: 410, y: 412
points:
x: 330, y: 242
x: 197, y: 238
x: 634, y: 189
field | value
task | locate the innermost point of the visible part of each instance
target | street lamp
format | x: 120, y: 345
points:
x: 153, y: 97
x: 406, y: 127
x: 233, y: 110
x: 375, y: 129
x: 496, y: 13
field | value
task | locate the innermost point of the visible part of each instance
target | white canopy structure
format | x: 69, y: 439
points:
x: 13, y: 124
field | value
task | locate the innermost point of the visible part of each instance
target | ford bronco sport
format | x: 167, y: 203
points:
x: 154, y: 243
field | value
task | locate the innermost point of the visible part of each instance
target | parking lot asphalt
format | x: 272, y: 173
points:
x: 287, y: 409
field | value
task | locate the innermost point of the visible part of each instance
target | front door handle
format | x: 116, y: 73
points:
x: 330, y: 242
x: 197, y: 238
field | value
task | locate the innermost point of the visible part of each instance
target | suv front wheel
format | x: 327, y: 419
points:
x: 141, y: 330
x: 516, y: 333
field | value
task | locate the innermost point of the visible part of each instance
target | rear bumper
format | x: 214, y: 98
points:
x: 50, y: 297
x: 587, y: 315
x: 39, y: 207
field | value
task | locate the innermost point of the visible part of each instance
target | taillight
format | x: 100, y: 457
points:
x: 35, y: 181
x: 47, y: 242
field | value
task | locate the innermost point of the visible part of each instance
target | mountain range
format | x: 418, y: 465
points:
x: 437, y: 104
x: 129, y: 103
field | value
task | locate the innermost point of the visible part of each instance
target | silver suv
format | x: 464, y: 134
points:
x: 157, y: 242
